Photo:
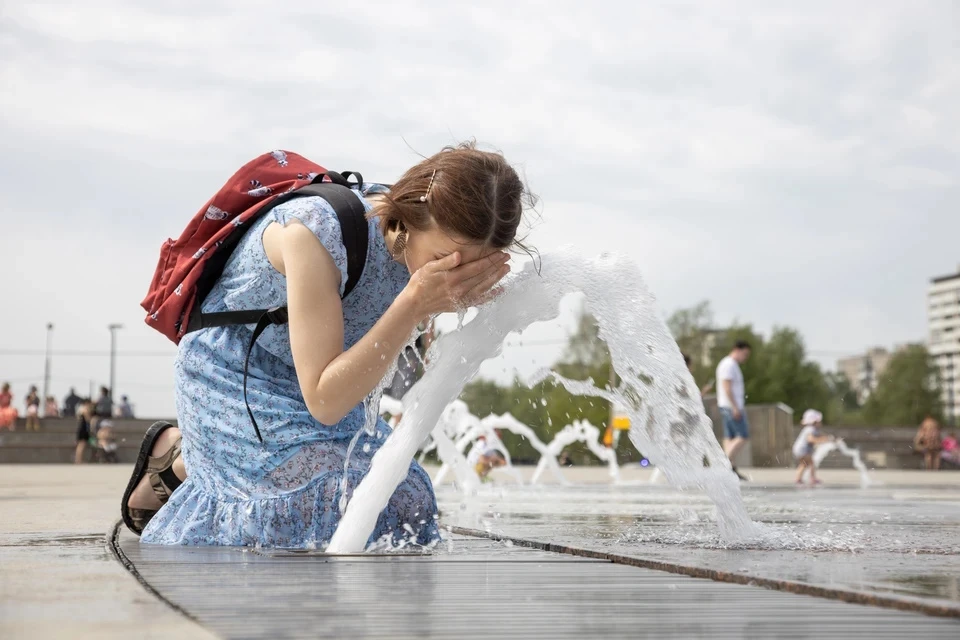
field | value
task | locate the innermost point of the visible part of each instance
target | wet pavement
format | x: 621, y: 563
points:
x: 62, y: 575
x: 471, y: 587
x: 888, y: 541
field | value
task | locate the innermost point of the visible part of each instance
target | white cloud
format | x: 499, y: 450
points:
x: 795, y: 164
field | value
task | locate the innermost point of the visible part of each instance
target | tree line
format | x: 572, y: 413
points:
x: 779, y: 370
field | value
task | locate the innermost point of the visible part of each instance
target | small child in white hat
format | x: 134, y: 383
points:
x: 810, y: 436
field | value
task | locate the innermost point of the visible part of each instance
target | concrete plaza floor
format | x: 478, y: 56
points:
x: 899, y: 540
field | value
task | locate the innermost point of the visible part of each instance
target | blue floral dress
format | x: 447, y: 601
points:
x: 286, y: 491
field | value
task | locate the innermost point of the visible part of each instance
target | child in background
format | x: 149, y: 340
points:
x: 810, y: 436
x: 50, y: 409
x: 33, y: 410
x: 484, y: 457
x: 106, y: 443
x: 951, y: 450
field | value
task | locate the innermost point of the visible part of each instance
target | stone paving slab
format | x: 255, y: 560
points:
x: 901, y: 546
x: 474, y: 588
x: 58, y: 578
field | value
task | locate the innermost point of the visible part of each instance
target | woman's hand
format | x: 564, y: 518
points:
x: 445, y: 285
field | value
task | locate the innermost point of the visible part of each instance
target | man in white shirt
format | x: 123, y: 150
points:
x: 731, y: 399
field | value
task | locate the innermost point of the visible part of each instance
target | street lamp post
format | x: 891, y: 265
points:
x: 46, y: 365
x: 113, y: 358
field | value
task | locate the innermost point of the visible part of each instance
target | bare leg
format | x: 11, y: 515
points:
x: 78, y: 454
x: 801, y: 467
x: 143, y: 496
x: 734, y: 446
x: 936, y: 461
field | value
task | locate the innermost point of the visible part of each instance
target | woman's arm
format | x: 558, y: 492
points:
x: 334, y: 381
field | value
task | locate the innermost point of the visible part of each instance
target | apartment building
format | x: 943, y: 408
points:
x: 943, y: 314
x: 864, y: 370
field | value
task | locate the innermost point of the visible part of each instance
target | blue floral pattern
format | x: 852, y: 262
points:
x: 284, y: 492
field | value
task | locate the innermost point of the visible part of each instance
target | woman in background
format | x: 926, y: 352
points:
x: 8, y: 413
x: 928, y: 442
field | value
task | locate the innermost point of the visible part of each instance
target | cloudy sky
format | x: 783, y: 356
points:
x: 795, y: 163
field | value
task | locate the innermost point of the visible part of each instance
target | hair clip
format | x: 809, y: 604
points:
x: 433, y: 175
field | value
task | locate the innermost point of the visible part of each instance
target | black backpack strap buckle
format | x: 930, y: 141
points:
x: 277, y: 315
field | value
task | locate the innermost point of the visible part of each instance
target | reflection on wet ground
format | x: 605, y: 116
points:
x: 884, y: 540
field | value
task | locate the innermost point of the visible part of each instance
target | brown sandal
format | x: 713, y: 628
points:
x: 160, y: 471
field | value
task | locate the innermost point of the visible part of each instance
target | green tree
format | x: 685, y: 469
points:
x: 485, y: 397
x: 548, y: 407
x: 584, y: 347
x: 787, y: 376
x: 692, y: 328
x: 844, y: 407
x: 908, y: 391
x: 842, y: 391
x: 778, y: 369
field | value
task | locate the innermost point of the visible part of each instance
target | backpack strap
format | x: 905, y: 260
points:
x: 353, y: 227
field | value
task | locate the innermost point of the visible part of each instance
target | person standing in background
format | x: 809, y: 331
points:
x: 33, y: 410
x: 70, y: 403
x: 124, y: 409
x: 731, y: 400
x: 104, y: 405
x: 84, y: 414
x: 8, y: 413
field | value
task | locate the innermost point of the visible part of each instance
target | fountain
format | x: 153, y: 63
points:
x: 825, y: 449
x: 458, y: 422
x: 668, y: 422
x: 579, y: 431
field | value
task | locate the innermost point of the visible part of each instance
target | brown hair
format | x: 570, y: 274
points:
x: 475, y: 195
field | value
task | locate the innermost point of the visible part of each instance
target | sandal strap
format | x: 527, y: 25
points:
x: 163, y: 480
x: 140, y: 518
x: 163, y: 494
x: 156, y: 464
x: 170, y: 479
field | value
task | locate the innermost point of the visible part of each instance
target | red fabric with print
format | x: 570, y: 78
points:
x: 213, y: 233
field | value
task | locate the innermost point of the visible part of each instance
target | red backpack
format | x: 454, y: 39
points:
x: 190, y: 266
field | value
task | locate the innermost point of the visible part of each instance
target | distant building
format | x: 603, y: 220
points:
x: 710, y: 339
x: 864, y: 370
x: 943, y: 314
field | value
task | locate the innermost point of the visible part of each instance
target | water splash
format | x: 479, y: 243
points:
x: 466, y: 428
x: 656, y: 389
x: 579, y: 431
x: 825, y: 449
